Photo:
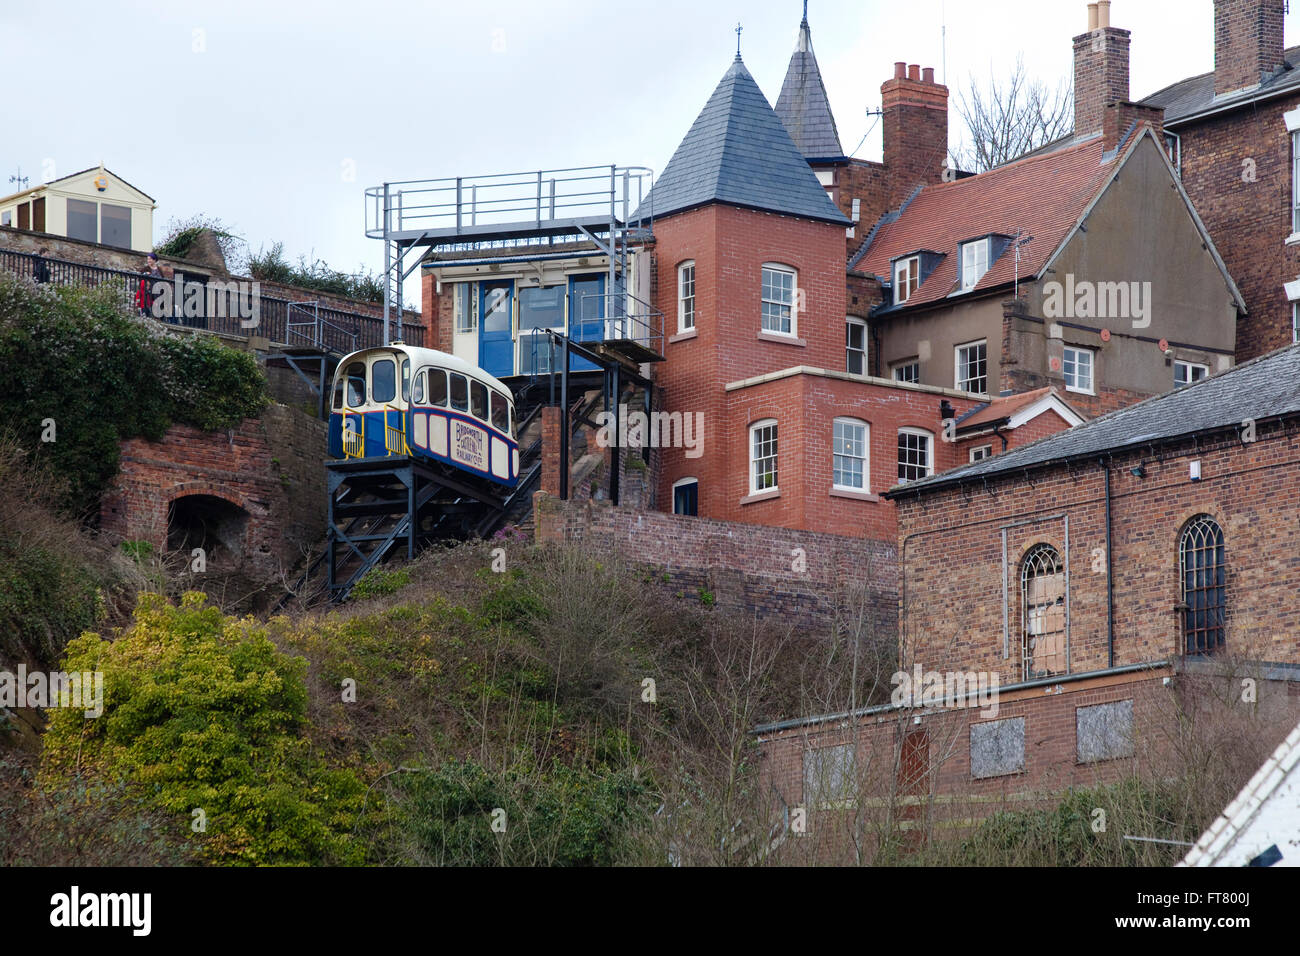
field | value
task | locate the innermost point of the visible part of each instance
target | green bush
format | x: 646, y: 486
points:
x: 203, y: 713
x: 83, y: 373
x: 379, y: 583
x: 462, y: 814
x: 271, y: 266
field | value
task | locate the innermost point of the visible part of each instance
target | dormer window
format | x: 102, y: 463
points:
x: 974, y: 263
x: 907, y: 276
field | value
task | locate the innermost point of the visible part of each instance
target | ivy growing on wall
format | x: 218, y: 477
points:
x: 82, y: 373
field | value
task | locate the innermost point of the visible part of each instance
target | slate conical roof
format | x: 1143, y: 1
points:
x: 804, y: 107
x: 738, y: 152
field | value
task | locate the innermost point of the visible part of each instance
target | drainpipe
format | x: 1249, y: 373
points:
x: 1110, y: 579
x: 998, y: 433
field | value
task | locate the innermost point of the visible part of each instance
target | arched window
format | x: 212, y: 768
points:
x: 1204, y: 575
x: 1042, y: 604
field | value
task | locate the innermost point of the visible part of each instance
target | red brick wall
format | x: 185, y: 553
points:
x: 951, y: 554
x: 1237, y: 170
x: 915, y: 130
x: 271, y: 467
x: 1247, y: 42
x: 1101, y: 76
x: 729, y: 247
x: 799, y: 575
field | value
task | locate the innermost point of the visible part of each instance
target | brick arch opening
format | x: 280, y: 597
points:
x: 217, y: 525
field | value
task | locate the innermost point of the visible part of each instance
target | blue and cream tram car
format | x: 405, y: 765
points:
x: 401, y: 400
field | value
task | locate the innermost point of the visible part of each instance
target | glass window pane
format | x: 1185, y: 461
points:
x: 383, y: 380
x: 356, y: 375
x: 82, y: 218
x: 459, y: 392
x: 478, y: 400
x: 418, y: 394
x: 542, y: 308
x: 438, y: 387
x: 115, y: 225
x: 500, y: 413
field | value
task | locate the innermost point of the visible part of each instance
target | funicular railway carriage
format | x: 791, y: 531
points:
x: 401, y: 400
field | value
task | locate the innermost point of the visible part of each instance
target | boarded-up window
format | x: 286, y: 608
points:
x: 1104, y: 732
x: 24, y: 215
x: 829, y: 775
x: 997, y: 748
x: 115, y: 225
x: 38, y: 214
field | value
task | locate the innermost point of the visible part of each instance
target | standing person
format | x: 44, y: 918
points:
x: 40, y: 268
x: 144, y: 296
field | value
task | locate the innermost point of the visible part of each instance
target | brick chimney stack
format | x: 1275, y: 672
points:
x: 1101, y: 59
x: 1247, y: 43
x: 915, y: 131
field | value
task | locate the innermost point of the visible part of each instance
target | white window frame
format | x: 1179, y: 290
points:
x: 1295, y: 322
x: 1174, y: 147
x: 865, y: 457
x: 850, y: 322
x: 755, y: 459
x: 980, y: 452
x: 929, y: 452
x: 1092, y: 369
x: 957, y: 367
x: 904, y: 288
x: 898, y: 367
x: 970, y: 271
x: 465, y: 308
x: 685, y: 302
x: 1295, y: 182
x: 1189, y: 366
x: 682, y: 483
x: 783, y: 270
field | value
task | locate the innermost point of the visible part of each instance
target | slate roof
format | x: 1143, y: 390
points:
x: 804, y: 107
x: 1041, y: 196
x: 1195, y: 94
x: 1261, y: 389
x: 738, y: 152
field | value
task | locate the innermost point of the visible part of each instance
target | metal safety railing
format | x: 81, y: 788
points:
x: 334, y: 329
x: 537, y: 198
x: 395, y: 438
x: 354, y: 440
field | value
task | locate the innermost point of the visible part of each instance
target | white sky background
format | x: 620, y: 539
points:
x: 256, y: 129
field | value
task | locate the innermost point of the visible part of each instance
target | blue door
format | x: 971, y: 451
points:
x: 586, y: 315
x: 496, y: 346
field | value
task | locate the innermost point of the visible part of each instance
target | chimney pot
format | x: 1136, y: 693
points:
x: 914, y: 73
x: 1092, y: 17
x: 900, y: 70
x: 927, y: 75
x: 1103, y: 13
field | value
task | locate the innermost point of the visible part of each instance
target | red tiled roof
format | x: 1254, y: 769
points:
x: 1004, y: 406
x: 1040, y: 196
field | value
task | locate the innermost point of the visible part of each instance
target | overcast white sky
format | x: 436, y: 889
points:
x: 257, y: 127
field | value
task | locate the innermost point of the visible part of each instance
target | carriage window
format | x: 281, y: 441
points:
x: 383, y: 381
x: 419, y: 389
x: 338, y: 394
x: 500, y: 413
x: 406, y: 380
x: 356, y: 384
x: 478, y: 400
x: 437, y: 387
x: 459, y: 392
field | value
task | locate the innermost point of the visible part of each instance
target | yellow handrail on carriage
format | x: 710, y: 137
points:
x: 395, y: 438
x: 354, y: 442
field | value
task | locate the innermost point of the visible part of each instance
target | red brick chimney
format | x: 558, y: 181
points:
x: 915, y: 131
x: 1247, y: 43
x: 1100, y: 70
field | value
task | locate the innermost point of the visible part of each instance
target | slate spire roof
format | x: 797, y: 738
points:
x: 803, y: 105
x: 738, y: 152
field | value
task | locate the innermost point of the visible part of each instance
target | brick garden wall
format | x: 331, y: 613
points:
x: 742, y: 565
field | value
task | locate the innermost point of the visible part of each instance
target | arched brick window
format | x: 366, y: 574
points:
x: 1203, y: 569
x: 1042, y: 605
